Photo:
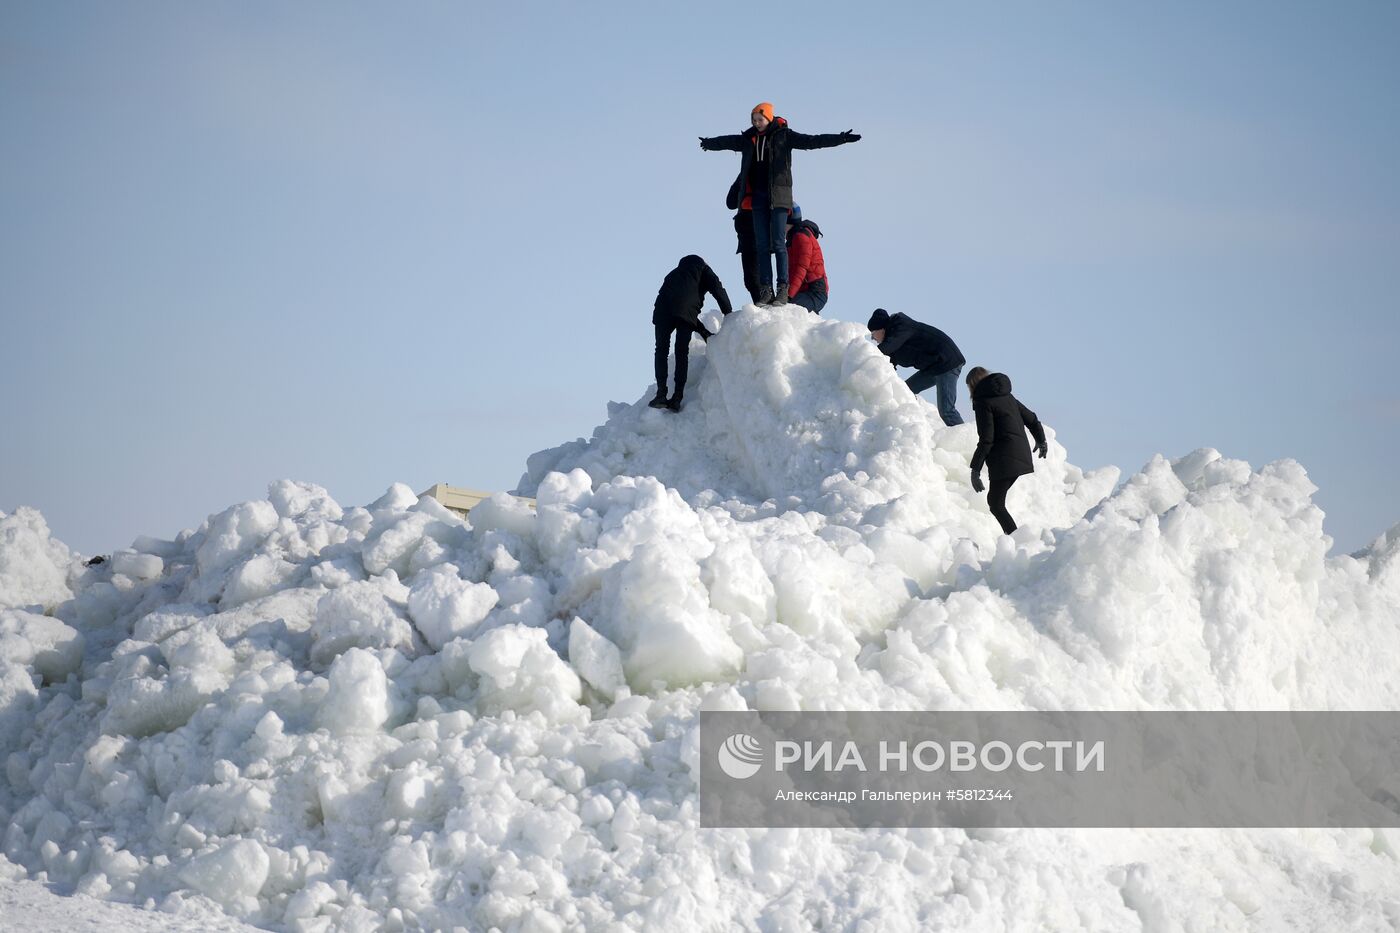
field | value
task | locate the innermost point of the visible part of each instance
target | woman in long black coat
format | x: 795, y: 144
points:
x: 1002, y: 422
x: 764, y: 186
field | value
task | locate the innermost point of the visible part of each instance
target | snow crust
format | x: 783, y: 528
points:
x: 310, y: 717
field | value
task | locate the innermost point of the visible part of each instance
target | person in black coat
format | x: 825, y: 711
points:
x: 908, y: 342
x: 1002, y: 422
x: 677, y: 311
x: 764, y: 186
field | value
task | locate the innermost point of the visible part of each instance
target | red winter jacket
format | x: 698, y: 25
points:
x: 805, y: 263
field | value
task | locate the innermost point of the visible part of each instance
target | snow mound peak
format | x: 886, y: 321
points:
x: 807, y: 413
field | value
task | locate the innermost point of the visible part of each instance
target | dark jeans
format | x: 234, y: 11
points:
x: 947, y: 383
x: 996, y: 501
x: 748, y: 252
x: 770, y: 236
x: 663, y: 340
x: 813, y: 297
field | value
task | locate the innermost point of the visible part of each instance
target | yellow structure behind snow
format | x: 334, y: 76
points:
x: 461, y: 500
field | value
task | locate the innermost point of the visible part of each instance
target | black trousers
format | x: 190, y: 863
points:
x: 748, y: 251
x: 813, y: 297
x: 996, y: 501
x: 663, y: 351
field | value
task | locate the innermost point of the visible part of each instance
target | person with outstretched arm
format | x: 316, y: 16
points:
x: 764, y: 186
x: 908, y: 342
x: 677, y: 311
x: 1002, y: 422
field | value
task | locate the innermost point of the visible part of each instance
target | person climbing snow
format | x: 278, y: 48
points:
x: 1002, y: 423
x: 908, y: 342
x: 808, y: 286
x: 764, y: 186
x: 677, y: 311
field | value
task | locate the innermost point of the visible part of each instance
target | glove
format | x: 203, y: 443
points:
x: 1041, y: 450
x: 976, y: 482
x: 703, y: 143
x: 850, y: 136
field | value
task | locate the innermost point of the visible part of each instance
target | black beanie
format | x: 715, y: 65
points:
x: 878, y: 320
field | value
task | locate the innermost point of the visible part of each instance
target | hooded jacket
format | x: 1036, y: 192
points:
x: 776, y: 144
x: 683, y: 291
x: 1002, y: 423
x: 805, y: 263
x: 913, y: 343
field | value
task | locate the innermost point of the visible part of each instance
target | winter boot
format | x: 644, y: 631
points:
x: 765, y: 295
x: 780, y: 295
x: 674, y: 404
x: 659, y: 401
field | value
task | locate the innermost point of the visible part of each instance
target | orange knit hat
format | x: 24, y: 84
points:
x: 764, y: 108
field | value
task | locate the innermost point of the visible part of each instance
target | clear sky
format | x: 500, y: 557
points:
x: 358, y: 243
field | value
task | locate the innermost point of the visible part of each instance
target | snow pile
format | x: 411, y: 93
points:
x: 386, y: 717
x: 809, y: 414
x: 34, y: 568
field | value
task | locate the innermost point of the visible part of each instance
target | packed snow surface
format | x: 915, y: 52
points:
x: 308, y: 717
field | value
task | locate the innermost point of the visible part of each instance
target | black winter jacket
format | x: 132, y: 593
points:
x: 912, y: 343
x: 683, y: 291
x: 1001, y: 430
x: 778, y: 142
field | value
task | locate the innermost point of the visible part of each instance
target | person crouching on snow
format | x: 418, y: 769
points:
x: 1002, y: 422
x: 677, y: 311
x: 908, y: 342
x: 806, y: 267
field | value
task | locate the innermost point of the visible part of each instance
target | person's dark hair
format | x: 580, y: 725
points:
x: 976, y: 375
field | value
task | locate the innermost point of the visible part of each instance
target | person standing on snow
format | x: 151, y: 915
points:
x: 808, y: 285
x: 677, y: 311
x: 748, y: 252
x: 908, y: 342
x: 1002, y: 422
x: 764, y: 186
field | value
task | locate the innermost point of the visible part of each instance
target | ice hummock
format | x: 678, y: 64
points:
x: 312, y: 717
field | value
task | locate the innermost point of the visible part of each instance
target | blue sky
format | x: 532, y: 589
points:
x: 356, y: 244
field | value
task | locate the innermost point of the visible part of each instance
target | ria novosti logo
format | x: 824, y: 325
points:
x: 740, y: 756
